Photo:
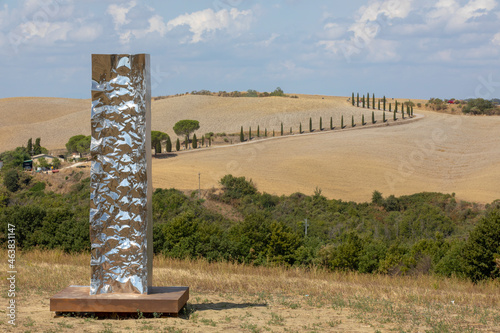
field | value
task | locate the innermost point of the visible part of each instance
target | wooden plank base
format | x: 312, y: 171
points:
x: 166, y: 300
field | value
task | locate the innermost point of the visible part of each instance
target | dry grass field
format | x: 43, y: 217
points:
x: 236, y: 298
x: 441, y: 152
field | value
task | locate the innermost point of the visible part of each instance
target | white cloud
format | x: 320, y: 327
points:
x: 270, y: 40
x: 390, y: 8
x: 207, y: 21
x: 333, y: 30
x: 496, y: 39
x: 119, y: 13
x: 456, y: 17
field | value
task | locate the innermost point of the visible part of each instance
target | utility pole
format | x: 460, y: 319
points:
x: 305, y: 225
x: 199, y: 185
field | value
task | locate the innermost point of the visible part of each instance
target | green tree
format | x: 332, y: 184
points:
x: 373, y: 117
x: 368, y: 100
x: 210, y: 141
x: 320, y: 123
x: 291, y: 132
x: 482, y: 250
x: 393, y: 115
x: 242, y: 136
x: 251, y: 93
x: 178, y: 145
x: 29, y: 147
x: 258, y: 131
x: 300, y: 128
x: 156, y: 138
x: 72, y: 143
x: 396, y: 106
x: 363, y: 120
x: 342, y: 122
x: 281, y: 129
x: 250, y: 133
x: 384, y: 120
x: 390, y: 105
x: 357, y: 99
x: 37, y: 148
x: 56, y: 163
x: 186, y: 127
x: 277, y: 92
x: 352, y: 99
x: 11, y: 180
x: 265, y: 132
x: 273, y: 132
x: 195, y: 141
x: 169, y: 145
x: 331, y: 123
x: 479, y: 106
x: 363, y: 101
x: 352, y: 122
x: 310, y: 125
x: 384, y: 103
x: 379, y: 104
x: 373, y: 101
x: 202, y: 140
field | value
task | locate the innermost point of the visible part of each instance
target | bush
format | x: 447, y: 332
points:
x: 11, y: 180
x: 236, y: 187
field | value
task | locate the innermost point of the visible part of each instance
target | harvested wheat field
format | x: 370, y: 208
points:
x: 238, y: 298
x: 441, y: 152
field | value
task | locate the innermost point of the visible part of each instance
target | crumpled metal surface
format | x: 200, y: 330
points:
x: 120, y: 196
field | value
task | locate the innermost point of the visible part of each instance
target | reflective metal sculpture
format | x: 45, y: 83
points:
x: 121, y: 188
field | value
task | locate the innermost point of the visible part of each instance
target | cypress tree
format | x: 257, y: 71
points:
x: 379, y: 104
x: 195, y: 141
x: 396, y: 107
x: 300, y: 127
x: 37, y: 148
x: 394, y: 116
x: 320, y: 123
x: 402, y: 112
x: 412, y: 111
x: 310, y: 125
x: 331, y: 123
x: 342, y: 122
x: 258, y: 131
x: 352, y: 121
x: 390, y: 105
x: 281, y: 129
x: 202, y: 140
x: 373, y: 117
x: 362, y: 120
x: 210, y: 141
x: 178, y: 145
x: 363, y: 100
x: 357, y: 98
x: 169, y: 145
x: 158, y: 148
x: 242, y: 136
x: 384, y: 117
x: 368, y: 100
x: 30, y: 146
x: 250, y: 133
x: 265, y: 132
x: 353, y: 99
x: 273, y: 131
x: 384, y: 103
x: 291, y: 131
x: 408, y: 110
x: 373, y: 101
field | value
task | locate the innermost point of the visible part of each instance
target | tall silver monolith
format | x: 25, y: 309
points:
x: 121, y: 188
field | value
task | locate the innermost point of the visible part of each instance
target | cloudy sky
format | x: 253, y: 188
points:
x: 402, y: 48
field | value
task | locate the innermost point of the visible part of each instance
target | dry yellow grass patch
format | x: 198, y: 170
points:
x: 234, y: 297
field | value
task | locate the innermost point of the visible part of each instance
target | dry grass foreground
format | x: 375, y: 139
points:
x: 238, y: 298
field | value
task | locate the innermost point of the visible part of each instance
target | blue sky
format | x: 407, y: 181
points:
x: 403, y: 48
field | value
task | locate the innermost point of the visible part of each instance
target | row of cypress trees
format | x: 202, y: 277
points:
x: 382, y: 103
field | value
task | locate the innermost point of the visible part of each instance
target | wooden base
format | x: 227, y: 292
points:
x: 166, y: 300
